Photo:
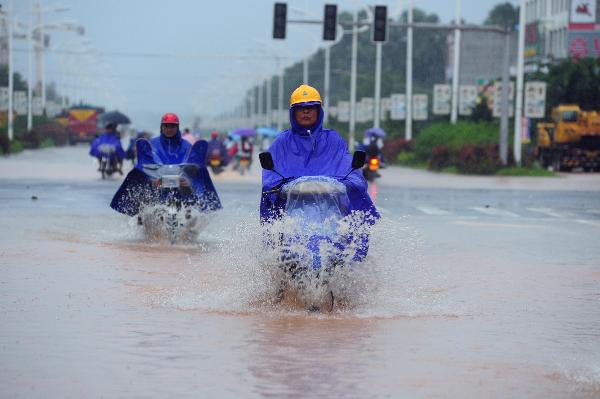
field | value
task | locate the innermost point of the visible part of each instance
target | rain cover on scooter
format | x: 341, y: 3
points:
x: 104, y: 141
x: 137, y: 186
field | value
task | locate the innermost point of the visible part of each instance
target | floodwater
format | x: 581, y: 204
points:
x: 465, y: 293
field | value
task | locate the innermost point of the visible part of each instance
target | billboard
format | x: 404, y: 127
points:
x: 583, y: 44
x: 343, y: 111
x: 583, y: 12
x: 20, y: 102
x: 497, y: 107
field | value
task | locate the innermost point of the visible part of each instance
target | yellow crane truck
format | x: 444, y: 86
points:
x: 571, y: 140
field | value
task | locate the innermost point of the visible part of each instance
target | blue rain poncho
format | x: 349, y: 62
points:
x: 137, y: 186
x: 107, y: 138
x: 313, y: 152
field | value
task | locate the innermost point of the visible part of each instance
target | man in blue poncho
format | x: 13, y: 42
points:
x: 112, y: 139
x: 308, y: 149
x: 167, y: 149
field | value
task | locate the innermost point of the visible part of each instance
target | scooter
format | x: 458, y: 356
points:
x: 108, y: 160
x: 311, y: 243
x: 371, y: 169
x: 244, y: 164
x: 216, y: 161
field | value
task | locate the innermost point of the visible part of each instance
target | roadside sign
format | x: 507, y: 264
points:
x: 385, y: 107
x: 20, y: 102
x: 343, y: 110
x: 398, y: 107
x: 420, y: 104
x: 535, y: 99
x: 441, y: 99
x: 525, y: 125
x: 368, y: 104
x: 36, y: 106
x: 497, y: 109
x: 3, y: 98
x: 467, y: 98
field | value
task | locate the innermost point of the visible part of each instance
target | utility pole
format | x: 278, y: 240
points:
x: 409, y: 71
x: 353, y: 82
x: 504, y: 100
x: 456, y: 72
x: 30, y: 72
x: 305, y: 70
x: 11, y: 88
x: 269, y: 106
x: 520, y: 78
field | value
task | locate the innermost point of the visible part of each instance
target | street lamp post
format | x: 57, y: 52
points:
x: 353, y: 82
x: 10, y: 73
x: 377, y: 107
x: 409, y: 72
x: 456, y: 71
x: 520, y: 78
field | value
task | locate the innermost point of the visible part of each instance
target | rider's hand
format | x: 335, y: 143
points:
x: 184, y: 183
x: 156, y: 183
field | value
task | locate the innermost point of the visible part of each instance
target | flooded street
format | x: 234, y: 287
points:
x: 472, y: 291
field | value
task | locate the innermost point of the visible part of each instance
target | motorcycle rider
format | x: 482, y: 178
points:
x: 217, y: 146
x: 167, y: 149
x: 111, y: 137
x: 188, y: 136
x: 308, y: 149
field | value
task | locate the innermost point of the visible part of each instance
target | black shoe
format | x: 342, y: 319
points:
x: 139, y: 220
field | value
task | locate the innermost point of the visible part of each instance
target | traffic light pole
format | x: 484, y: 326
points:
x: 326, y: 84
x: 377, y: 116
x: 456, y: 69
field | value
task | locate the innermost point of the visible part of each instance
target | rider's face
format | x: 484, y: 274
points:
x: 306, y: 116
x: 169, y: 129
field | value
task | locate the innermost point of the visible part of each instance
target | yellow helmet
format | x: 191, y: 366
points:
x: 305, y: 94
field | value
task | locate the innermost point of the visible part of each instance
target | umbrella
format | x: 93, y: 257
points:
x: 267, y: 131
x: 114, y: 117
x: 375, y: 131
x: 245, y: 132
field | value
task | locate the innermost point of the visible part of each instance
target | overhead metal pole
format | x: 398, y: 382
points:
x: 456, y: 71
x: 377, y: 107
x: 520, y: 79
x: 326, y: 85
x: 353, y: 82
x: 43, y: 54
x: 409, y: 72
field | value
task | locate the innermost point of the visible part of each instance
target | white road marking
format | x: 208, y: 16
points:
x: 430, y: 210
x: 494, y: 211
x: 597, y: 224
x: 487, y: 224
x: 551, y: 212
x: 595, y: 211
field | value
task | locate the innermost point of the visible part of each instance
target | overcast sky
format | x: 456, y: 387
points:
x: 147, y: 57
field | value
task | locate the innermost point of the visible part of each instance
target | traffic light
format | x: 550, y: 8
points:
x: 279, y: 20
x: 380, y: 24
x: 330, y: 22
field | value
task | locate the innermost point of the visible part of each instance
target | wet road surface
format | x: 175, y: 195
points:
x: 469, y: 292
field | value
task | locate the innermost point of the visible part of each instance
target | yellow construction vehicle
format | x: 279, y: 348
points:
x: 571, y: 140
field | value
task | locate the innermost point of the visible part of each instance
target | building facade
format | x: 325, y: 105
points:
x: 558, y: 29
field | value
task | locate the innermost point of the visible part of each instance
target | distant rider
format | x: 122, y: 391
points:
x: 109, y: 137
x: 167, y: 149
x: 188, y: 136
x: 216, y: 146
x: 308, y: 149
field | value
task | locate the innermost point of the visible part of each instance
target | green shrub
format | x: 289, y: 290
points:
x: 454, y: 137
x: 407, y: 159
x: 4, y: 143
x: 47, y: 142
x: 16, y: 146
x: 478, y: 159
x: 441, y: 157
x: 393, y: 147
